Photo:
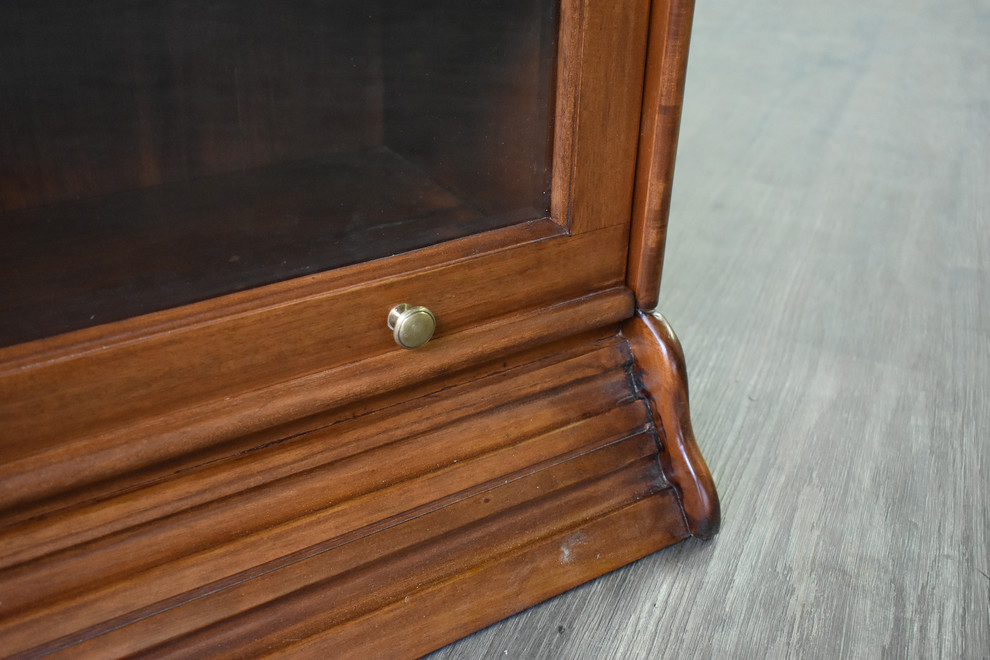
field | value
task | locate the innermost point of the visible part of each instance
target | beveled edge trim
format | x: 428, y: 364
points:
x: 138, y: 328
x: 567, y: 85
x: 150, y: 440
x: 670, y: 35
x: 660, y: 369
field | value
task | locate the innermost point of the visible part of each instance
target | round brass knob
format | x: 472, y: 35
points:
x: 411, y: 326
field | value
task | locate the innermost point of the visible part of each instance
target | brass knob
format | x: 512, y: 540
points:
x: 411, y: 326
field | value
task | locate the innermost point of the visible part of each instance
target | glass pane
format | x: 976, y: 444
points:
x: 156, y: 153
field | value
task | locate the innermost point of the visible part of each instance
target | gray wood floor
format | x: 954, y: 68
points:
x: 828, y: 273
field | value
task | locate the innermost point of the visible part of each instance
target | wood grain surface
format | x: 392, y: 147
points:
x: 601, y: 63
x: 663, y: 95
x: 362, y: 535
x: 828, y: 272
x: 79, y: 460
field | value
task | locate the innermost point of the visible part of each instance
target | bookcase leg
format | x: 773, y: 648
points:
x: 660, y: 372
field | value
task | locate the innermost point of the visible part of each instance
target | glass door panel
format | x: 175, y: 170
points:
x: 161, y: 152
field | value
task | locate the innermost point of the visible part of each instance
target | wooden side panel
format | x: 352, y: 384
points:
x: 599, y: 98
x: 670, y: 32
x: 549, y: 467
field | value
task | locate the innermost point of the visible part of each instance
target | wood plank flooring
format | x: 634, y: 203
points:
x: 828, y: 271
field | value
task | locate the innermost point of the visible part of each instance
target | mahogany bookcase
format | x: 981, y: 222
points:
x: 210, y: 441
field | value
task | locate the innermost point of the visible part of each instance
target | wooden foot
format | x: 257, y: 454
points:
x: 659, y: 366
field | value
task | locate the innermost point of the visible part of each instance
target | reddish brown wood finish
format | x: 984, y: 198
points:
x: 160, y: 369
x: 627, y: 534
x: 267, y: 472
x: 670, y: 32
x: 57, y: 464
x: 338, y: 529
x: 660, y: 368
x: 599, y: 100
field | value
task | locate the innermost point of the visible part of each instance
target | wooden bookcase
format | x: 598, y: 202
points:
x: 211, y: 444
